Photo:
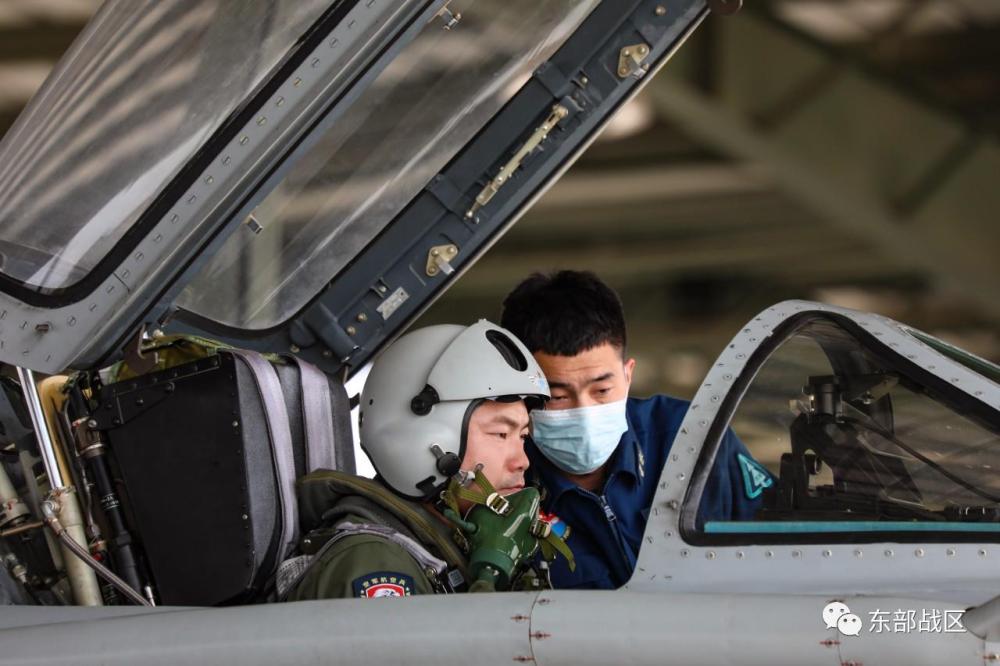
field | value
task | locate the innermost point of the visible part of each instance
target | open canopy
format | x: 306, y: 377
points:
x: 305, y: 174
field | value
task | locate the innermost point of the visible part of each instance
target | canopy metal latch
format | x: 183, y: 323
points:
x: 438, y: 258
x: 630, y: 60
x: 449, y: 18
x: 540, y: 134
x: 139, y: 361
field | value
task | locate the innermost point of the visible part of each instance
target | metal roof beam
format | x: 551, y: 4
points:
x: 873, y: 161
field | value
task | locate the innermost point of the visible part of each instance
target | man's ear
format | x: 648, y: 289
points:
x: 629, y: 369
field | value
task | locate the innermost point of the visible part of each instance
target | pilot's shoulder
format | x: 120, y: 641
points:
x: 355, y: 563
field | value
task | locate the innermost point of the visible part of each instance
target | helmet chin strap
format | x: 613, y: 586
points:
x: 475, y: 488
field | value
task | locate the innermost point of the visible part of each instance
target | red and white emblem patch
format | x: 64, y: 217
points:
x: 383, y: 584
x: 385, y: 590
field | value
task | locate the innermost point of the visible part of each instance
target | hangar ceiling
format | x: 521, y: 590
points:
x: 839, y: 150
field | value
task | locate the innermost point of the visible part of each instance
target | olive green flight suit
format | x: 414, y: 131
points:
x: 341, y: 511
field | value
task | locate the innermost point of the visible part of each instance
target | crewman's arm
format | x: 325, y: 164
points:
x: 735, y: 486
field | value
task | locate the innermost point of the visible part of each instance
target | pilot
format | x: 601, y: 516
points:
x: 597, y: 452
x: 444, y: 415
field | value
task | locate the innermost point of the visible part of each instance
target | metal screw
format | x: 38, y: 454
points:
x: 919, y: 552
x: 584, y: 80
x: 294, y: 349
x: 382, y: 289
x: 710, y: 554
x: 351, y: 330
x: 951, y: 552
x: 661, y: 10
x: 362, y: 317
x: 888, y: 552
x: 236, y: 424
x: 859, y: 553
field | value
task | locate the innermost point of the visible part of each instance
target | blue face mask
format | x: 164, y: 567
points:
x: 579, y: 440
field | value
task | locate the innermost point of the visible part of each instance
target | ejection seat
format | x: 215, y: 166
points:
x: 208, y: 452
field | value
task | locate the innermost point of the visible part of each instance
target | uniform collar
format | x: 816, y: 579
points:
x: 627, y: 459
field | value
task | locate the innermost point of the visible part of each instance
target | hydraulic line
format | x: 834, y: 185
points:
x: 45, y: 444
x: 20, y: 529
x: 50, y: 512
x: 93, y: 449
x: 82, y: 580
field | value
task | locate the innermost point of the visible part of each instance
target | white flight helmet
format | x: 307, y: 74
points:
x: 421, y: 391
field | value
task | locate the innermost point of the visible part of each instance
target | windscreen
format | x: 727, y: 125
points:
x: 847, y: 439
x: 139, y: 92
x: 427, y: 104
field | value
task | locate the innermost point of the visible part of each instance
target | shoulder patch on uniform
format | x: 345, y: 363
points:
x: 755, y: 476
x: 383, y: 584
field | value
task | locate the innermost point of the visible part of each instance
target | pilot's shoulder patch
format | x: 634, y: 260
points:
x: 383, y: 584
x: 755, y: 476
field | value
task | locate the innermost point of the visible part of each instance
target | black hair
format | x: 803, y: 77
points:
x: 564, y: 313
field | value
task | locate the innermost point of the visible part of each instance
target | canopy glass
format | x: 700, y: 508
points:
x: 80, y: 165
x: 404, y: 129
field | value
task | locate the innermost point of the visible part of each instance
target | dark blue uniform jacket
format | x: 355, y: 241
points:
x: 607, y: 528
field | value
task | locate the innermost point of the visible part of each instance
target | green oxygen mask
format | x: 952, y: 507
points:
x: 504, y: 533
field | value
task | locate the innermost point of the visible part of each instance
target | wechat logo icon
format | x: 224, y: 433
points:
x: 837, y: 615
